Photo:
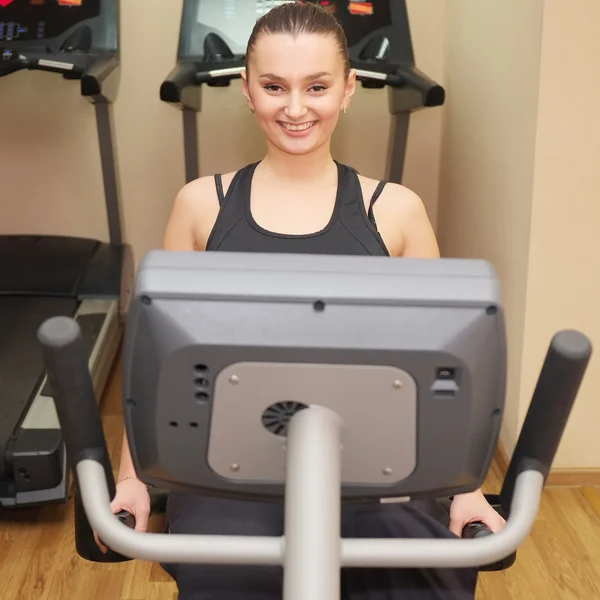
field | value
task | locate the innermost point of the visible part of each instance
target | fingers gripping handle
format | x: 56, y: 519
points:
x: 477, y: 530
x: 66, y: 363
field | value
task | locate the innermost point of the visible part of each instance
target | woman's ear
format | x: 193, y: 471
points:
x: 350, y: 90
x: 246, y: 89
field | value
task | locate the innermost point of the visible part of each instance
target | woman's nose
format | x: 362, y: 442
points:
x: 296, y: 107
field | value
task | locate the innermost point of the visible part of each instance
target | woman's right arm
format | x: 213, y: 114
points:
x: 192, y: 217
x: 180, y: 236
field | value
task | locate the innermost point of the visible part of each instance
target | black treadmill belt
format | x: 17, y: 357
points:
x: 39, y: 265
x: 21, y: 362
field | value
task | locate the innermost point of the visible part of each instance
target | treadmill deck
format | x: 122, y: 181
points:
x: 43, y: 277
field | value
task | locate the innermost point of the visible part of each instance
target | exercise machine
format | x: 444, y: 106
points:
x: 212, y: 46
x: 43, y: 276
x: 312, y: 381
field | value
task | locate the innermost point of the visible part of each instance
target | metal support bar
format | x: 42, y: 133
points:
x: 190, y: 141
x: 397, y: 147
x: 313, y: 506
x: 109, y: 172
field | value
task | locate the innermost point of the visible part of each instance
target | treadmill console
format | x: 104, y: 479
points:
x: 214, y: 36
x: 28, y: 20
x: 71, y: 37
x: 233, y: 20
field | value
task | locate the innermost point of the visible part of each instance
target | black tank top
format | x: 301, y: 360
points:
x: 350, y: 231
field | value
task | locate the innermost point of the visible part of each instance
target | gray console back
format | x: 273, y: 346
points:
x: 221, y: 349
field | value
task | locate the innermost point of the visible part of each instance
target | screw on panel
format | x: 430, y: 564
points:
x: 387, y: 471
x: 397, y: 384
x: 234, y: 379
x: 235, y: 467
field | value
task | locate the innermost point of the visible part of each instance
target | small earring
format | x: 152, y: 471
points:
x: 251, y: 110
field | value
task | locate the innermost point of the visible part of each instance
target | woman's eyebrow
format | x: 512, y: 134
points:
x: 279, y: 78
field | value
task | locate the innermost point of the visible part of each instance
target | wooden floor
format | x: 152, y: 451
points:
x: 561, y: 559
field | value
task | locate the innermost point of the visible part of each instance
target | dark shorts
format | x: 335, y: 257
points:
x: 194, y: 514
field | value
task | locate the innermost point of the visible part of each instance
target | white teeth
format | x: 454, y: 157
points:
x: 302, y: 127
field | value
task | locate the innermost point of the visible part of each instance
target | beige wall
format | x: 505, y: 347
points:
x: 520, y: 180
x: 51, y: 179
x: 564, y: 259
x: 488, y: 152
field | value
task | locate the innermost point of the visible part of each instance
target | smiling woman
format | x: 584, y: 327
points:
x: 298, y: 199
x: 298, y: 77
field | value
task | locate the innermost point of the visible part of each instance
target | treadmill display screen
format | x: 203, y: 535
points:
x: 233, y: 20
x: 25, y: 20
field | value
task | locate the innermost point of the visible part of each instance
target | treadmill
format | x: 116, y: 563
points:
x: 212, y: 47
x: 46, y: 276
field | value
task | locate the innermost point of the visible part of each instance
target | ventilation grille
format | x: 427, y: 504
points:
x: 277, y: 417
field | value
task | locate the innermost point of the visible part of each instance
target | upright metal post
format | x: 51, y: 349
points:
x: 190, y: 141
x: 397, y: 147
x: 312, y: 562
x: 109, y: 171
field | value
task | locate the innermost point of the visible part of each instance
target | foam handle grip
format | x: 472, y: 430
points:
x: 181, y: 77
x: 478, y: 529
x: 66, y: 362
x: 126, y: 518
x: 553, y: 399
x: 11, y: 66
x: 433, y: 93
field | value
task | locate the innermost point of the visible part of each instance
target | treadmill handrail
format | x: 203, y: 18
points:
x: 270, y: 550
x: 181, y: 77
x: 433, y: 93
x: 96, y: 78
x: 186, y: 75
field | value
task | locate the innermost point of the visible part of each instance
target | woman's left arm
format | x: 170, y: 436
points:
x: 418, y: 237
x: 415, y: 238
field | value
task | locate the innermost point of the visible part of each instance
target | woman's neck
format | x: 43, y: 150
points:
x: 298, y: 169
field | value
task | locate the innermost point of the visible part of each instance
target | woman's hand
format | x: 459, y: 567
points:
x: 468, y: 508
x: 132, y: 496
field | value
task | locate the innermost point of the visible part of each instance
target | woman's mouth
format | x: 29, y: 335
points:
x: 297, y: 130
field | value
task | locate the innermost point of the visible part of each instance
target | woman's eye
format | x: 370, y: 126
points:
x: 273, y: 87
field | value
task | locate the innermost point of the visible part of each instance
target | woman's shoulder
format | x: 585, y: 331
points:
x: 393, y: 196
x: 401, y: 218
x: 204, y: 190
x: 195, y: 211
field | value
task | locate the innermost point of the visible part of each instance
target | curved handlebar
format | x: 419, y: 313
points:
x: 471, y: 531
x: 265, y: 550
x: 68, y: 374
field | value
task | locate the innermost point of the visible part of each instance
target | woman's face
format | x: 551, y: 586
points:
x: 297, y: 88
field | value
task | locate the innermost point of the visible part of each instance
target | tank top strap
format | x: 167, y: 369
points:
x: 240, y: 184
x: 231, y: 204
x: 378, y: 191
x: 219, y: 186
x: 354, y: 214
x: 352, y: 192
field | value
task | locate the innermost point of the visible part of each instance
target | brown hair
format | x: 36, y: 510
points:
x: 295, y: 18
